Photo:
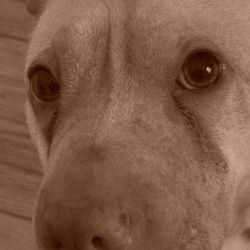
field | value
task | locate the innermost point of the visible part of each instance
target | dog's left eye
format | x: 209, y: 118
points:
x: 44, y: 85
x: 201, y: 69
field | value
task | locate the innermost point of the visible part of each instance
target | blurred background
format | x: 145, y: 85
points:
x: 20, y: 172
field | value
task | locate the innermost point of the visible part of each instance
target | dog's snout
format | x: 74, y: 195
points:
x: 63, y: 227
x: 88, y: 208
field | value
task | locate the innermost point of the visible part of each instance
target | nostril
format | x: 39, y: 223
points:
x: 57, y: 245
x: 54, y: 244
x: 49, y: 240
x: 97, y: 242
x: 246, y: 233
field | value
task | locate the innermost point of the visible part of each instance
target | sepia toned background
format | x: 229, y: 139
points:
x: 20, y: 173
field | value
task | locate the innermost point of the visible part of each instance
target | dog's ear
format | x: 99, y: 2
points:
x: 36, y: 7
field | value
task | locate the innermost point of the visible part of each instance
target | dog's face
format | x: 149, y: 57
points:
x: 140, y: 111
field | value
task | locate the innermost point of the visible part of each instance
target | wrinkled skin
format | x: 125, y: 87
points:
x: 132, y: 160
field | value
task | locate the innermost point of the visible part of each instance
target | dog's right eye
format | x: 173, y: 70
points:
x: 44, y: 85
x: 201, y: 69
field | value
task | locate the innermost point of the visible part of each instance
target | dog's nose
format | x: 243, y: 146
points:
x: 62, y: 227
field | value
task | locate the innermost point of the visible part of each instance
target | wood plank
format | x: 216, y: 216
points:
x: 18, y: 190
x: 12, y: 54
x: 15, y: 147
x: 19, y: 155
x: 15, y: 233
x: 12, y: 117
x: 15, y: 21
x: 19, y: 164
x: 12, y: 96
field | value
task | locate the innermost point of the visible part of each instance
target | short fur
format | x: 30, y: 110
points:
x: 125, y: 141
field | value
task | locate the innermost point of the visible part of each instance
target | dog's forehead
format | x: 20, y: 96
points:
x: 226, y: 23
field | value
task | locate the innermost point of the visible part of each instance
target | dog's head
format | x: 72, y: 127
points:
x: 140, y: 111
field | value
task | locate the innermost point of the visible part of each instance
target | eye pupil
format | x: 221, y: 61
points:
x: 44, y: 85
x: 201, y: 69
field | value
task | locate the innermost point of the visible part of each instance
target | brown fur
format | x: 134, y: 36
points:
x: 124, y: 141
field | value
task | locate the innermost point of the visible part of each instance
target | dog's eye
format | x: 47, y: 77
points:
x: 43, y: 85
x: 201, y: 69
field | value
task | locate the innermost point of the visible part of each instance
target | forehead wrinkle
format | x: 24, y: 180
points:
x: 59, y: 15
x: 131, y: 8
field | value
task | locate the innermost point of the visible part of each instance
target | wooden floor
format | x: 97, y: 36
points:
x: 20, y: 173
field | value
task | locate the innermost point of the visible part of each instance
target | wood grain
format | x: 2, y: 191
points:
x: 15, y: 21
x: 20, y: 172
x: 15, y: 147
x: 12, y: 53
x: 18, y: 190
x: 15, y: 233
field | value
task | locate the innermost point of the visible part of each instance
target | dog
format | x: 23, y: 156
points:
x: 140, y: 111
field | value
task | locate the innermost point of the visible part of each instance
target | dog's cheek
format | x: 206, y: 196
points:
x: 41, y: 121
x: 36, y: 134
